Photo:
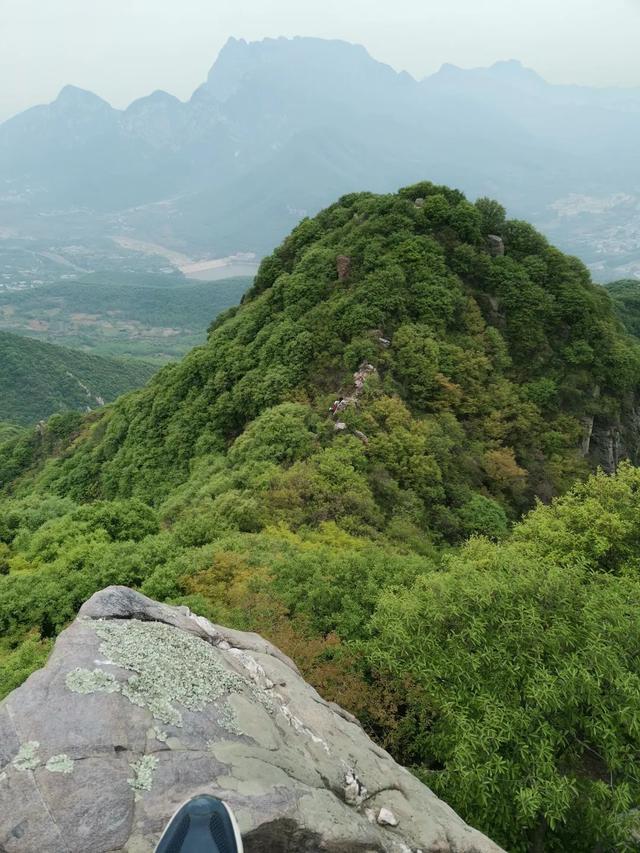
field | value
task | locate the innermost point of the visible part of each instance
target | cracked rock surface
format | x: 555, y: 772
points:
x: 142, y: 706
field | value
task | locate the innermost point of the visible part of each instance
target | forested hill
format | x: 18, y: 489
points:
x: 38, y: 379
x: 499, y: 366
x: 475, y: 368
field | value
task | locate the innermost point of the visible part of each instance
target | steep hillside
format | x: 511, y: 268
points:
x: 38, y: 379
x: 283, y: 126
x: 408, y: 371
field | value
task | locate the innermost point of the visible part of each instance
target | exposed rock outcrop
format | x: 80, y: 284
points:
x: 142, y: 705
x: 361, y: 375
x: 587, y: 431
x: 496, y: 245
x: 605, y: 445
x: 609, y: 439
x: 343, y: 267
x: 359, y: 378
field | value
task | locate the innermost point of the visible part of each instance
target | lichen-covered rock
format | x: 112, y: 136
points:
x: 142, y: 705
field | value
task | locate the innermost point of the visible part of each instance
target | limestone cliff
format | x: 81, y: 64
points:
x: 142, y: 705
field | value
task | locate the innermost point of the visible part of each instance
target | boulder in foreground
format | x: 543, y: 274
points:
x: 142, y: 706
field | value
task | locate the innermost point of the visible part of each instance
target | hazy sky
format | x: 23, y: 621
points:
x: 122, y: 49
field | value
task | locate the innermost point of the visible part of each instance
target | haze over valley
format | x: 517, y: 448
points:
x: 282, y: 127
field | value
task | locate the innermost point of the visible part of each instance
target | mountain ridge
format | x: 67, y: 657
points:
x: 242, y: 47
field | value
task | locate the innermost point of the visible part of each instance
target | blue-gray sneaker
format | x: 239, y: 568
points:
x: 204, y: 824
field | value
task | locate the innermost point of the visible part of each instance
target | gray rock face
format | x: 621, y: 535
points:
x: 608, y: 441
x: 142, y: 706
x: 496, y: 245
x: 604, y: 446
x: 611, y: 439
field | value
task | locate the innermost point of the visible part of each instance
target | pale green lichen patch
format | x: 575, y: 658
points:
x: 226, y: 718
x: 171, y: 668
x: 59, y: 764
x: 143, y: 773
x: 27, y: 757
x: 160, y: 735
x: 88, y: 681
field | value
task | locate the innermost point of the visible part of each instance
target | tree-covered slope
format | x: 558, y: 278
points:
x: 39, y: 379
x: 502, y: 668
x: 9, y: 430
x: 491, y: 364
x: 625, y: 295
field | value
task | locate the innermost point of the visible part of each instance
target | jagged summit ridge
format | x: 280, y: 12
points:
x: 143, y: 705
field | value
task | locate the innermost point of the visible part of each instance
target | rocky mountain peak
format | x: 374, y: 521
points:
x: 73, y: 97
x: 158, y: 98
x: 514, y: 69
x: 324, y: 63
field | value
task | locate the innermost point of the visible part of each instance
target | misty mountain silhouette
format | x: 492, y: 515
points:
x: 283, y: 126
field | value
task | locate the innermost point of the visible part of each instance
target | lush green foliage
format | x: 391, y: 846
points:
x: 8, y: 431
x: 625, y: 295
x: 504, y: 670
x: 524, y: 673
x: 39, y: 379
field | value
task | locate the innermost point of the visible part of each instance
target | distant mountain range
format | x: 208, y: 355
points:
x: 282, y: 127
